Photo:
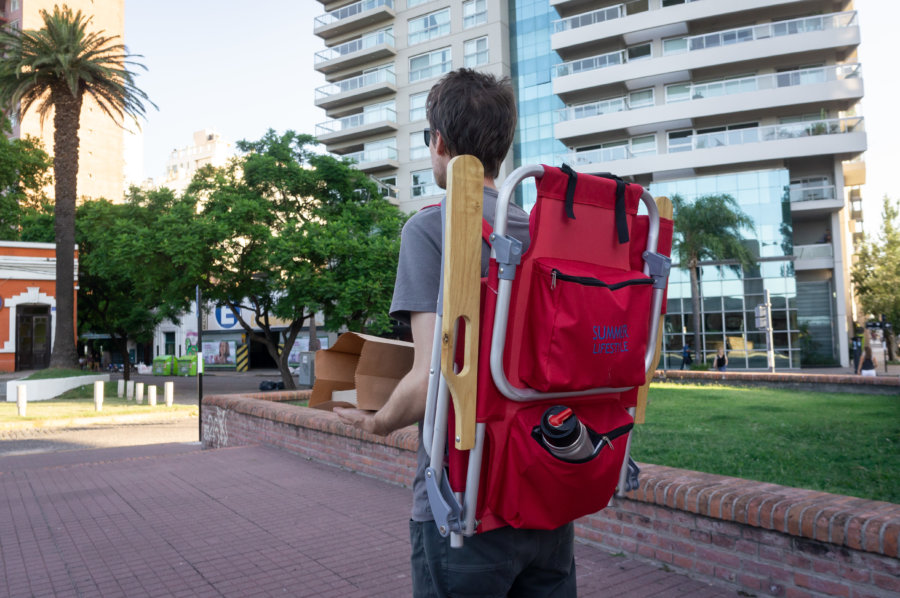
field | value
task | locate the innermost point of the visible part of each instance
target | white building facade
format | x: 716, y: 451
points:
x: 756, y: 99
x: 380, y: 60
x: 208, y: 147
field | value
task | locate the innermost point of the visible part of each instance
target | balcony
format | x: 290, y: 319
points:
x: 353, y: 17
x: 370, y: 122
x: 841, y: 84
x: 355, y: 89
x: 814, y: 200
x: 634, y: 23
x: 685, y: 54
x: 388, y: 191
x: 369, y: 161
x: 755, y: 144
x: 368, y: 48
x: 814, y: 257
x: 591, y: 18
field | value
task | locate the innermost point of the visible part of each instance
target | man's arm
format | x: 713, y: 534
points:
x: 406, y: 404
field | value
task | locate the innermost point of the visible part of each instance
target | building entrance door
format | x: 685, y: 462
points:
x: 32, y: 337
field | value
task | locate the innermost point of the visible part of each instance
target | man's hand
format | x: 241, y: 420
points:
x: 364, y: 420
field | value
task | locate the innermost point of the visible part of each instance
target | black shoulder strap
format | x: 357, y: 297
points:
x: 570, y: 190
x: 621, y: 217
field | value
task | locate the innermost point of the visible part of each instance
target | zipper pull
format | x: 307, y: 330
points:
x: 607, y: 441
x: 553, y: 278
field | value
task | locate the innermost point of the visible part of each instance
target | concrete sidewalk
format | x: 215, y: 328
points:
x: 174, y: 520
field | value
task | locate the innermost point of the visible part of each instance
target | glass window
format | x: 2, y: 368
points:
x: 428, y: 27
x: 680, y: 141
x: 411, y: 3
x: 430, y: 65
x: 417, y: 148
x: 639, y: 99
x: 678, y: 92
x: 474, y: 13
x: 423, y: 183
x: 675, y: 46
x: 639, y: 52
x: 645, y: 144
x: 170, y: 343
x: 476, y: 52
x: 417, y: 106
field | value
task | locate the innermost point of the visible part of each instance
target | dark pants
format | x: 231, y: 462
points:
x: 502, y: 562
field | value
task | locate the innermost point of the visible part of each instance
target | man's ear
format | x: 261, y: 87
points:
x: 440, y: 148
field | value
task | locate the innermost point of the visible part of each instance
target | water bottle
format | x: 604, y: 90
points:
x: 565, y: 435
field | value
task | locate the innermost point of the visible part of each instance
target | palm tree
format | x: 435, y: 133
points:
x: 52, y: 69
x: 708, y: 229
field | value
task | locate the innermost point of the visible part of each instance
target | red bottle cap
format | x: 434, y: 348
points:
x: 560, y: 418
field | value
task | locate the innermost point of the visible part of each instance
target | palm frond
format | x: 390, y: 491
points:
x: 64, y: 52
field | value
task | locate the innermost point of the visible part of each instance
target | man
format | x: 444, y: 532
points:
x: 468, y: 113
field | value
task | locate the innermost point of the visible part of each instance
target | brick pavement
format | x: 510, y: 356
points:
x: 173, y: 520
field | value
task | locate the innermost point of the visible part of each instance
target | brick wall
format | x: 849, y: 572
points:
x: 761, y: 539
x: 882, y: 384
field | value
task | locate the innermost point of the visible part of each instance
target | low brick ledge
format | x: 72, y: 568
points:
x: 856, y: 523
x: 885, y: 384
x: 271, y: 406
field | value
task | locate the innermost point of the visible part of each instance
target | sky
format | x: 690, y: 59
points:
x: 241, y: 68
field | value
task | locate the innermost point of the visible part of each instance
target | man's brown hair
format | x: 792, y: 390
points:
x: 475, y: 113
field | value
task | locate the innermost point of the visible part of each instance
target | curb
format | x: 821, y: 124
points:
x: 72, y: 422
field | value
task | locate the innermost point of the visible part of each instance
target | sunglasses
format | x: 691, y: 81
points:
x: 426, y: 134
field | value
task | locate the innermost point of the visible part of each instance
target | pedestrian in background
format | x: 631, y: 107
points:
x: 869, y: 363
x: 721, y: 360
x: 686, y: 356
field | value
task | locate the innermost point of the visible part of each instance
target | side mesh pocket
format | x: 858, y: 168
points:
x: 540, y: 491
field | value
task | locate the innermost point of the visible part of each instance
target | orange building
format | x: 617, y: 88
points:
x: 28, y: 304
x: 101, y: 155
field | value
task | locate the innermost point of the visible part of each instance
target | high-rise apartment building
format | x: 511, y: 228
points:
x: 382, y: 57
x: 756, y: 99
x: 753, y: 98
x: 101, y: 166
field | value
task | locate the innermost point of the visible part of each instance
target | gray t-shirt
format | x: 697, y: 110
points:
x: 416, y: 289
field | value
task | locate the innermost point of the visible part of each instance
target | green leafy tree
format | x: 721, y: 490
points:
x: 876, y: 274
x: 24, y: 173
x: 138, y: 264
x: 709, y: 229
x: 293, y: 233
x: 52, y: 70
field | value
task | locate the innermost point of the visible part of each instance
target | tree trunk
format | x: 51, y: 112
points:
x: 314, y: 344
x: 66, y: 120
x: 280, y: 357
x: 695, y: 308
x: 889, y: 343
x: 122, y: 344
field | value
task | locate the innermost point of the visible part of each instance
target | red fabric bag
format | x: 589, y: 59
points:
x: 571, y: 336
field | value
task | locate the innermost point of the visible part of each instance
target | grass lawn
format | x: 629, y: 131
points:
x: 833, y: 442
x: 79, y: 402
x: 49, y: 373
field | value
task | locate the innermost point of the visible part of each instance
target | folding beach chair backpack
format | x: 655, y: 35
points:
x: 567, y: 334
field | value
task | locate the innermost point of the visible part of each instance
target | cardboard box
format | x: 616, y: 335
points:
x: 371, y: 365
